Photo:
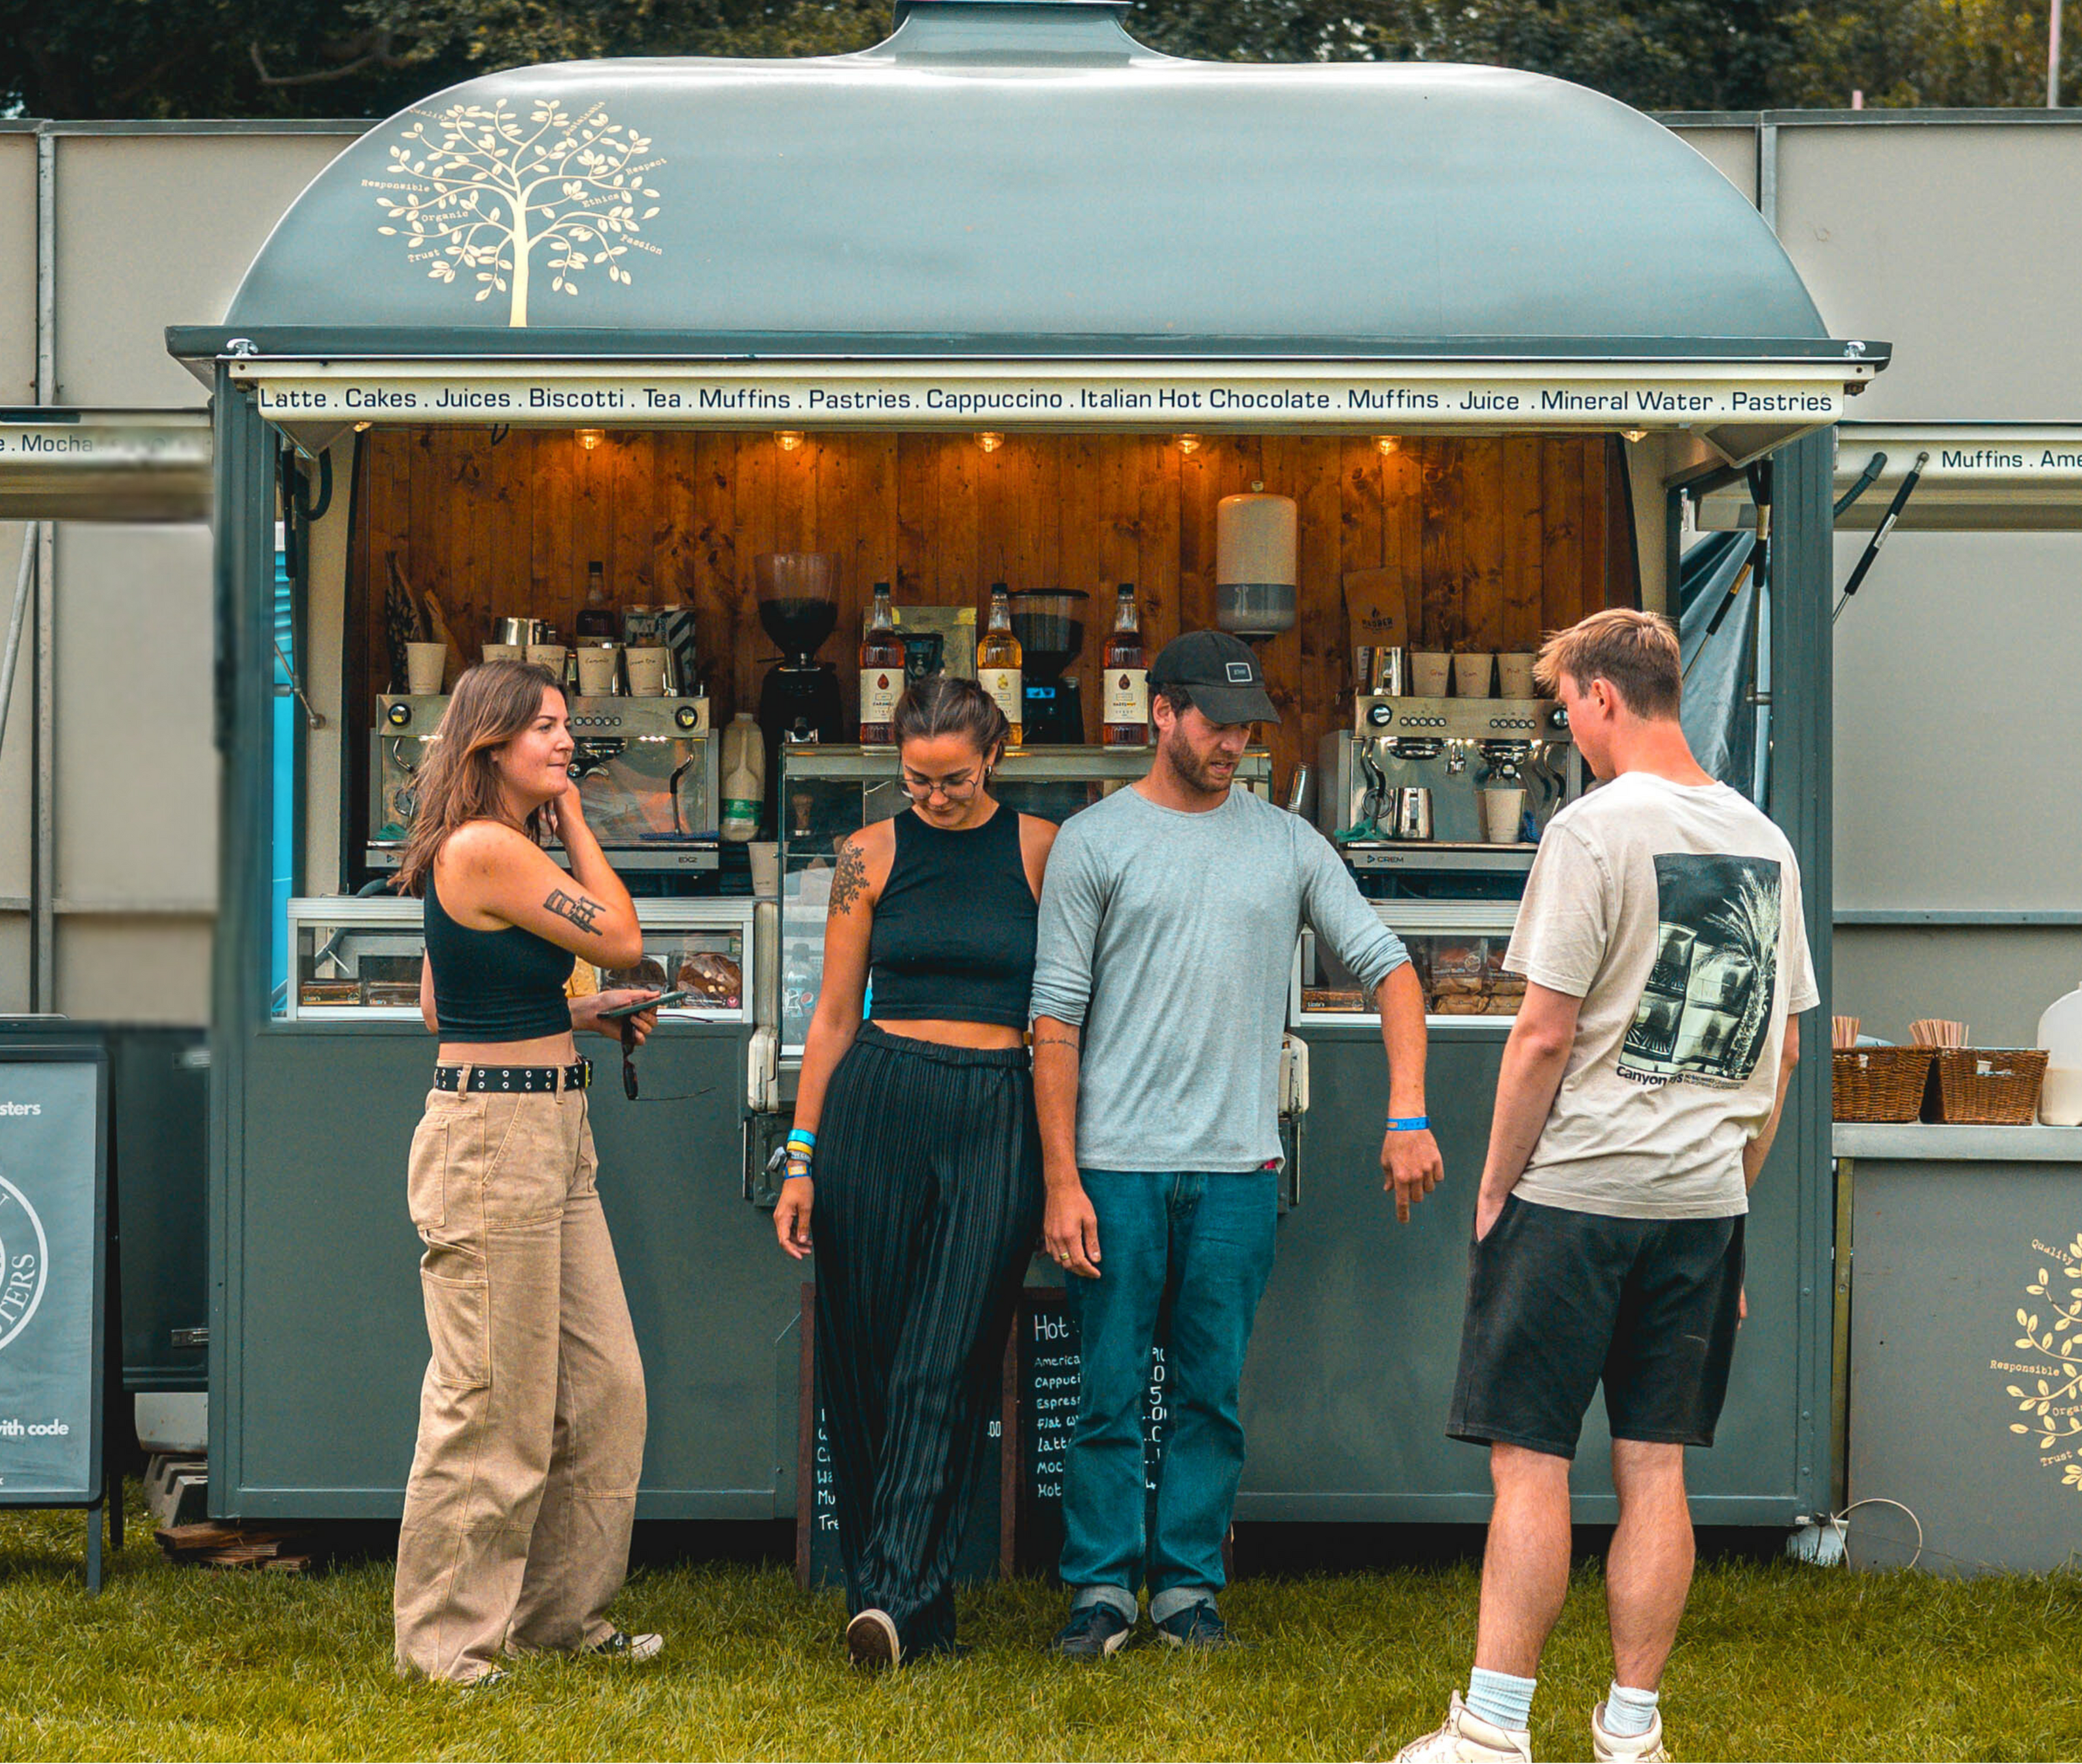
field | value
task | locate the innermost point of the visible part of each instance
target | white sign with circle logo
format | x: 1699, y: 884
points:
x: 25, y: 1262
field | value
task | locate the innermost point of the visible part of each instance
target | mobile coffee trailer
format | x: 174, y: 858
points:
x: 1008, y: 298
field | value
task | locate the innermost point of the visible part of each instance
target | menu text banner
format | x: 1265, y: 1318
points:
x: 1169, y: 397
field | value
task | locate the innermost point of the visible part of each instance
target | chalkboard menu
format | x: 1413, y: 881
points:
x: 53, y: 1237
x: 986, y: 1545
x: 1046, y: 1366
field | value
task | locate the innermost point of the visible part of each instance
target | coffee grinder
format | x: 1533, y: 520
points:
x: 798, y: 700
x: 1050, y: 625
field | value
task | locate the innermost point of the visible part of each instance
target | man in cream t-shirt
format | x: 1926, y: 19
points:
x: 1665, y: 955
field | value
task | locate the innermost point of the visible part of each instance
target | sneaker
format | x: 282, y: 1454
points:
x: 1198, y: 1625
x: 619, y: 1644
x: 1627, y: 1749
x: 1466, y: 1738
x: 871, y: 1642
x: 1093, y: 1632
x: 484, y: 1681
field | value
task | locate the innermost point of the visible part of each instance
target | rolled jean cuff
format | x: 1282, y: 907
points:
x: 1120, y: 1597
x: 1167, y: 1604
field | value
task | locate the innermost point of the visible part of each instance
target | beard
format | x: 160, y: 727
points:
x: 1189, y: 768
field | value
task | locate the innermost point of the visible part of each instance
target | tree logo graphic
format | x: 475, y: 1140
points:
x: 477, y: 192
x: 2053, y: 1406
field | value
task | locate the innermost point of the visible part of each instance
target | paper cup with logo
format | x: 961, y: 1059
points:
x: 549, y: 656
x: 1471, y: 674
x: 599, y: 667
x: 1429, y: 669
x: 1515, y: 673
x: 424, y: 665
x: 1502, y: 810
x: 647, y: 670
x: 504, y: 653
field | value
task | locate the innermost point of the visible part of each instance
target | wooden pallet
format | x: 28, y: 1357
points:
x: 213, y: 1546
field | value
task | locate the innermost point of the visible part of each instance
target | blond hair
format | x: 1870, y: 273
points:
x: 492, y: 703
x: 1636, y: 653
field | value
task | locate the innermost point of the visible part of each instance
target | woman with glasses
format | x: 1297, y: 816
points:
x: 919, y: 1125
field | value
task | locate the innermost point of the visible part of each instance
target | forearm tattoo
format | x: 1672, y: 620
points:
x: 578, y: 909
x: 1069, y: 1042
x: 850, y: 881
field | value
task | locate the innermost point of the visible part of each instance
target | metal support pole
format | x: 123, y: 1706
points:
x: 2053, y: 58
x: 1768, y: 170
x: 15, y: 620
x: 43, y: 819
x: 1801, y: 773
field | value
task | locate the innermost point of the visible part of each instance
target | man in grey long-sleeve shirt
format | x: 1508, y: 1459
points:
x: 1169, y: 918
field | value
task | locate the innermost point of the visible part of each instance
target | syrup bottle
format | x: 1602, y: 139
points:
x: 881, y: 673
x: 1125, y: 717
x: 998, y: 658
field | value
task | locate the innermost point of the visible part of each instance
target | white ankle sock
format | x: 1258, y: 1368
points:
x: 1628, y: 1714
x: 1501, y: 1699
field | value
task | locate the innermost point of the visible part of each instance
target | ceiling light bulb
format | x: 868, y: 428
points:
x: 590, y: 438
x: 1387, y: 443
x: 1189, y: 444
x: 1635, y: 434
x: 990, y: 440
x: 788, y: 438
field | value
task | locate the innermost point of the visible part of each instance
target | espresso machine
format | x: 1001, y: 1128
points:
x: 1421, y: 783
x: 647, y: 771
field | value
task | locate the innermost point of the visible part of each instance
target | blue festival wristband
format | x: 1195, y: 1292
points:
x: 802, y: 1135
x: 1409, y: 1123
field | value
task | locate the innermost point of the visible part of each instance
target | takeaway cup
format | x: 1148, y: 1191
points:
x: 505, y: 652
x: 1515, y: 673
x: 1471, y: 674
x: 598, y: 666
x: 424, y: 664
x: 647, y: 671
x: 765, y: 858
x: 1429, y: 669
x: 549, y: 656
x: 1502, y: 812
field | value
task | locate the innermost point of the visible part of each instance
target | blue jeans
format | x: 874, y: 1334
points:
x: 1206, y: 1239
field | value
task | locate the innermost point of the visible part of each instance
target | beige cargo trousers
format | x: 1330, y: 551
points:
x: 517, y: 1516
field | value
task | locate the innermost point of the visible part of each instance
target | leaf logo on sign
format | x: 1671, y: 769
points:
x: 2051, y: 1404
x: 25, y: 1256
x: 476, y: 191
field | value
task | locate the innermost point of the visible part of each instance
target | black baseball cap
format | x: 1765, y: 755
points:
x: 1222, y: 673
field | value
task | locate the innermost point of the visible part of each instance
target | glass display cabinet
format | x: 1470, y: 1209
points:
x: 1457, y: 946
x: 828, y: 792
x: 356, y: 959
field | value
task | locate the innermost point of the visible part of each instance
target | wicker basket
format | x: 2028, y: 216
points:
x: 1876, y: 1084
x: 1989, y: 1087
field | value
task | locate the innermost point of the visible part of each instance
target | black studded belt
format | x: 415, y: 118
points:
x: 519, y: 1080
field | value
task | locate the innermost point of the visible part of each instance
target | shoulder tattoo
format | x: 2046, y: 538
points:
x: 580, y: 910
x: 851, y: 881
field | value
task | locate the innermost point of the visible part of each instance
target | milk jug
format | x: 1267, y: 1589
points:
x: 2060, y: 1034
x: 743, y: 778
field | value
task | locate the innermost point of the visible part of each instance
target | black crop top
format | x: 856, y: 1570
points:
x: 953, y: 932
x: 504, y: 985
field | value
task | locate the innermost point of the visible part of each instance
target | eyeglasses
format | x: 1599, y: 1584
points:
x: 953, y: 789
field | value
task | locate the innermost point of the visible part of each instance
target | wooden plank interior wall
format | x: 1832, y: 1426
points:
x: 1496, y: 540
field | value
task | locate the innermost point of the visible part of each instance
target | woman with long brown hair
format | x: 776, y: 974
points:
x: 515, y: 1533
x: 920, y: 1127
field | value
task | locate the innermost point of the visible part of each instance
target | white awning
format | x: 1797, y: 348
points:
x: 1979, y: 477
x: 83, y: 465
x: 1740, y: 408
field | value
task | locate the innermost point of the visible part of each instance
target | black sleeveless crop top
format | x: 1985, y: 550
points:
x: 953, y: 931
x: 494, y: 985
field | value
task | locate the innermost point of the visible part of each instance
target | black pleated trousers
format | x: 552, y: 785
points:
x: 928, y: 1202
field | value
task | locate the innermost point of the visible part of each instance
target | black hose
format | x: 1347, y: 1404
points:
x: 1880, y: 533
x: 1873, y: 467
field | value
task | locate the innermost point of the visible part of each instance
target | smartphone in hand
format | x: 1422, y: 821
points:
x: 664, y: 999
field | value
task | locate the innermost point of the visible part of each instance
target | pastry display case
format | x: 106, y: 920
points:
x: 1457, y: 946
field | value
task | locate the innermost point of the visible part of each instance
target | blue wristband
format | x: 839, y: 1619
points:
x: 1409, y: 1123
x: 801, y: 1135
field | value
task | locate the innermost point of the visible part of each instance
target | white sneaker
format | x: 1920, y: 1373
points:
x: 1466, y: 1738
x: 1631, y: 1749
x: 871, y: 1642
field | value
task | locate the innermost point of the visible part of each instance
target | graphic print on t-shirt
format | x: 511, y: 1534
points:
x: 1705, y: 1013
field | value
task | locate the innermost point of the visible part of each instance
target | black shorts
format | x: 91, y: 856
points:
x: 1557, y: 1300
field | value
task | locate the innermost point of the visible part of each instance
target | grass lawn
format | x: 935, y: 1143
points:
x: 1775, y: 1661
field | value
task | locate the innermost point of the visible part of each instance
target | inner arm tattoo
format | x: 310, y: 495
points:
x: 851, y: 880
x: 1069, y: 1042
x: 580, y: 910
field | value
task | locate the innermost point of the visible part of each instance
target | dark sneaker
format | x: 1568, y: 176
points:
x: 619, y: 1644
x: 483, y: 1681
x: 1092, y: 1632
x: 1198, y: 1625
x: 871, y: 1642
